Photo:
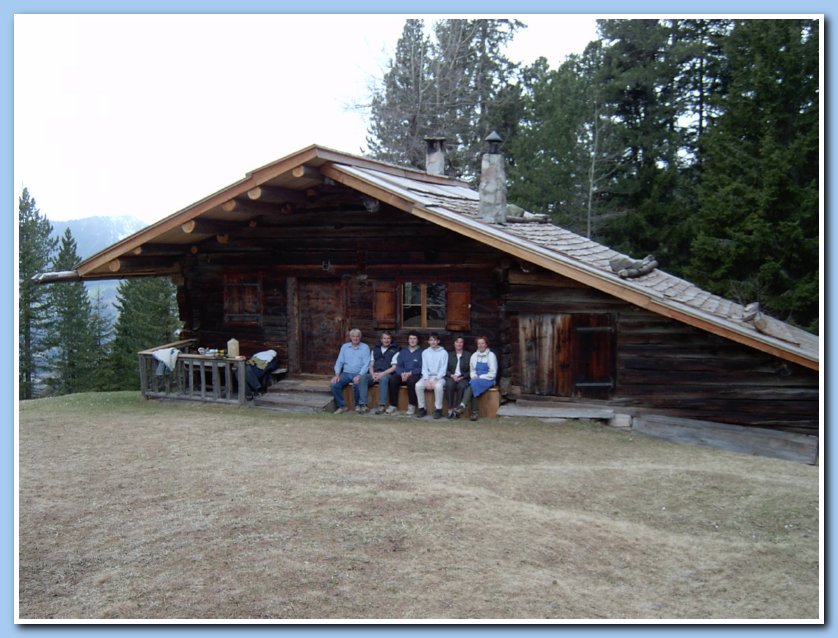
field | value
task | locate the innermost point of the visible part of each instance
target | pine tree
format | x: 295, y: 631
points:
x: 562, y: 152
x: 147, y: 318
x: 401, y: 111
x: 73, y: 352
x: 457, y: 86
x: 35, y: 249
x: 757, y: 233
x: 472, y: 82
x: 101, y: 327
x: 638, y: 84
x: 698, y: 50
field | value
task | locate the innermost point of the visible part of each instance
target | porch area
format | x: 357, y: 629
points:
x: 186, y: 374
x: 193, y: 376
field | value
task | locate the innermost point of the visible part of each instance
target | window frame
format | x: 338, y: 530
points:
x: 235, y: 314
x: 423, y: 305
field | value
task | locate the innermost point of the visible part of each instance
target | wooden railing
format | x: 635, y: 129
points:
x: 195, y: 377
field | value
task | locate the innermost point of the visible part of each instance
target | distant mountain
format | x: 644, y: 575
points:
x: 93, y: 234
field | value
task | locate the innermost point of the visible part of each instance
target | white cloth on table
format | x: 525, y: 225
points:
x: 167, y: 358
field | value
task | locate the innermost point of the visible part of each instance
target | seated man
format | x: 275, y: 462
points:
x: 434, y: 365
x: 408, y: 371
x: 382, y: 365
x: 352, y: 366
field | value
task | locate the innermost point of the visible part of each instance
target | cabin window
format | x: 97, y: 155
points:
x: 434, y: 306
x: 243, y: 298
x: 423, y: 305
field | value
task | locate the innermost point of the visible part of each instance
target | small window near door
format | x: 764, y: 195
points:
x: 243, y: 298
x: 423, y: 305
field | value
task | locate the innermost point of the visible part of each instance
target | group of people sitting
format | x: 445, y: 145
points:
x: 457, y: 375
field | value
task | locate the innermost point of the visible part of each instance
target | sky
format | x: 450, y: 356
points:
x: 143, y: 115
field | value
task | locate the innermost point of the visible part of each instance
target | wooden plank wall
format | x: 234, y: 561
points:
x: 671, y: 368
x: 686, y: 372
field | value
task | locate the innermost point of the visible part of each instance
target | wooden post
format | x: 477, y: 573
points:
x: 228, y: 381
x: 216, y: 380
x: 143, y: 377
x: 240, y: 373
x: 203, y: 380
x: 294, y: 335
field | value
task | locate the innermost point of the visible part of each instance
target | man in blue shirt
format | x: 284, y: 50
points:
x: 352, y: 366
x: 408, y: 371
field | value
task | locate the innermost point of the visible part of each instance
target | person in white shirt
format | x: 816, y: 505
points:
x: 434, y: 366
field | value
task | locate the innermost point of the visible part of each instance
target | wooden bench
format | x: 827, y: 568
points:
x: 487, y: 403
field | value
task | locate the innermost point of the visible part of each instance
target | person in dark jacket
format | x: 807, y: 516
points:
x: 382, y: 365
x: 408, y: 371
x: 457, y: 378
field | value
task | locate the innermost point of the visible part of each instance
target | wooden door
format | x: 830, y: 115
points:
x: 594, y: 366
x: 566, y: 355
x: 323, y: 324
x: 545, y: 350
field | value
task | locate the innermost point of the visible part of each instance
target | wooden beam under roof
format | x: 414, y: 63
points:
x: 276, y: 195
x: 209, y: 227
x: 125, y: 266
x: 153, y: 249
x: 306, y: 175
x: 249, y: 207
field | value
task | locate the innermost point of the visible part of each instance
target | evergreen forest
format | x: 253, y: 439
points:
x: 66, y: 342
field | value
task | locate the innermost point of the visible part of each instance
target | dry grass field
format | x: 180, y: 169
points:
x: 134, y: 509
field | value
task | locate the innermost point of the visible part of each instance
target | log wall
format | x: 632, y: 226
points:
x: 349, y: 255
x: 659, y: 364
x: 667, y: 367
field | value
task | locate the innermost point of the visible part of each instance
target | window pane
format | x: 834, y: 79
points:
x: 436, y: 317
x: 436, y: 294
x: 412, y: 317
x: 412, y: 294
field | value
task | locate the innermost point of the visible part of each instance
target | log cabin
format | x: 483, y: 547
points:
x: 300, y: 250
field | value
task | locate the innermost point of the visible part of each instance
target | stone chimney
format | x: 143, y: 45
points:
x: 492, y: 207
x: 435, y: 156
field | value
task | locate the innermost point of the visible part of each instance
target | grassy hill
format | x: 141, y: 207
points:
x: 130, y: 508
